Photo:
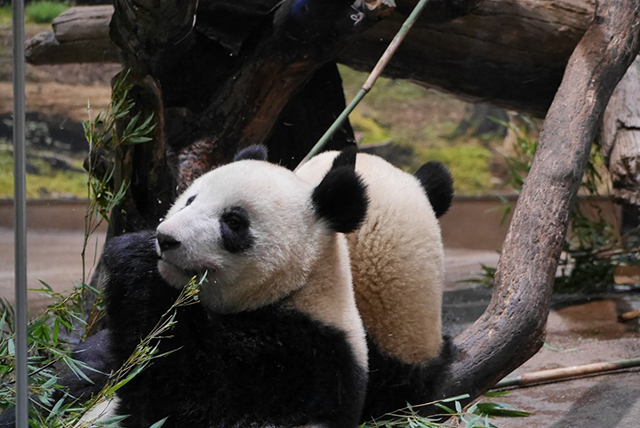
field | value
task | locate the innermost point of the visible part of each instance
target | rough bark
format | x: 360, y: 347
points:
x: 143, y: 168
x: 512, y: 329
x: 213, y: 111
x: 508, y: 53
x: 620, y: 144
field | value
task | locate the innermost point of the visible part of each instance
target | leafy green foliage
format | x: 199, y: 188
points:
x: 474, y: 416
x: 42, y: 12
x: 49, y: 352
x: 104, y: 142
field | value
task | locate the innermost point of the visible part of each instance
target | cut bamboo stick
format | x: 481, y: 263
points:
x: 566, y: 373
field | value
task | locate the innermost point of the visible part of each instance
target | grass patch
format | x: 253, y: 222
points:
x: 385, y: 89
x: 49, y: 183
x: 372, y: 132
x: 6, y: 15
x: 43, y: 12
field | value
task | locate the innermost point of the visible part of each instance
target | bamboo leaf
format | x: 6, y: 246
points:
x: 501, y: 409
x: 159, y: 423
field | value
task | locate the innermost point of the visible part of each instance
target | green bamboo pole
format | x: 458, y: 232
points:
x: 371, y: 80
x: 566, y: 373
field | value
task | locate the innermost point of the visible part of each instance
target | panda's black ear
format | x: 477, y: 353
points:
x: 347, y: 157
x: 255, y: 152
x: 341, y: 197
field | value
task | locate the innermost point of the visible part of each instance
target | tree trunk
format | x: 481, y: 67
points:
x: 512, y: 329
x: 620, y: 141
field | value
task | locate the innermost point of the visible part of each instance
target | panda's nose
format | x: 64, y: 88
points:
x: 166, y: 242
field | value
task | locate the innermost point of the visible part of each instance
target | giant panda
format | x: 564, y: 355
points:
x: 397, y: 263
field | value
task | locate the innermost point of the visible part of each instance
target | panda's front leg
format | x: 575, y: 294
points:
x: 136, y: 296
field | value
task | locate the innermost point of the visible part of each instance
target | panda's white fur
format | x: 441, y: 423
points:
x: 397, y: 259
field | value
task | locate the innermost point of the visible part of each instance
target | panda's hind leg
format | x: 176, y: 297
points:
x: 394, y: 383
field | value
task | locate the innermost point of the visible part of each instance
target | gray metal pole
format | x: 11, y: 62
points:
x: 20, y: 196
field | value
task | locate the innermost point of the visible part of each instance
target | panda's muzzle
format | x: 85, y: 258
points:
x: 166, y: 243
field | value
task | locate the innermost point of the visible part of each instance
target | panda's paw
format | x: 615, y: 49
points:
x: 132, y: 252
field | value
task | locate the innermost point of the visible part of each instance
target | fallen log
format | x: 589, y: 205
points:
x: 81, y: 34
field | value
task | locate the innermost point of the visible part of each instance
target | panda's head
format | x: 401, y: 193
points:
x: 256, y: 230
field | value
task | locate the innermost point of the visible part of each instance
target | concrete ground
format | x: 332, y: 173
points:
x: 580, y: 331
x: 52, y: 256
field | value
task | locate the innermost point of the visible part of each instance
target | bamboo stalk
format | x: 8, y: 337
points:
x: 371, y: 80
x: 566, y: 373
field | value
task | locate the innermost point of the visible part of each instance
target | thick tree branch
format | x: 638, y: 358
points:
x: 81, y: 34
x: 512, y: 328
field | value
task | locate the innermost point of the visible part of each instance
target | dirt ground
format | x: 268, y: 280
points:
x: 58, y: 99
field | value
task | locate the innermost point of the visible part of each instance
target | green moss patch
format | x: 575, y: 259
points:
x: 46, y: 182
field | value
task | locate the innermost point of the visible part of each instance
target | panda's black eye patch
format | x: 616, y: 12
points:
x: 191, y: 198
x: 234, y: 228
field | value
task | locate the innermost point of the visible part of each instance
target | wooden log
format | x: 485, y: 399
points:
x: 307, y: 116
x: 143, y: 27
x: 512, y: 329
x: 80, y: 34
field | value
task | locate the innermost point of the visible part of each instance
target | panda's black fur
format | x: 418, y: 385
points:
x: 437, y: 182
x: 267, y: 367
x: 394, y: 383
